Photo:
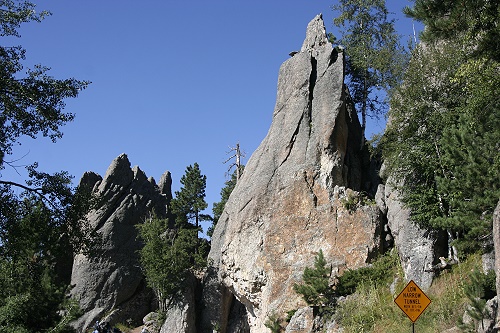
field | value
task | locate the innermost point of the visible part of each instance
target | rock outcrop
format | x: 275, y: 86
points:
x: 418, y: 248
x: 109, y: 284
x: 181, y: 314
x: 290, y: 201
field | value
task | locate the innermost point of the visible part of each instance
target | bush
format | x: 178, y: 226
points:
x: 378, y: 273
x: 273, y: 323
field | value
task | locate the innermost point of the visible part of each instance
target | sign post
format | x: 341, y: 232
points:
x: 412, y: 301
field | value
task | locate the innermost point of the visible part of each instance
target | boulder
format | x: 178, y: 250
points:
x: 302, y: 321
x: 180, y: 315
x: 290, y: 201
x: 109, y: 283
x: 486, y: 324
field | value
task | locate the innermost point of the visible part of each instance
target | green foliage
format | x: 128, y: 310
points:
x: 315, y: 287
x: 371, y: 305
x: 379, y: 273
x: 480, y: 288
x: 443, y: 141
x: 354, y: 199
x: 476, y: 21
x: 32, y: 104
x: 31, y: 294
x: 215, y: 326
x: 190, y: 200
x: 166, y: 257
x: 40, y: 226
x: 445, y: 120
x: 273, y: 322
x: 351, y: 201
x: 37, y: 241
x: 372, y: 309
x: 71, y: 311
x: 218, y: 207
x: 289, y: 315
x: 374, y: 58
x: 172, y: 250
x: 13, y: 13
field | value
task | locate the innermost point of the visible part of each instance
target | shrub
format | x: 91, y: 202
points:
x: 273, y: 322
x: 378, y: 273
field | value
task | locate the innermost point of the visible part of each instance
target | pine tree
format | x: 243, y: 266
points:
x: 171, y: 250
x: 475, y: 20
x: 218, y: 207
x: 479, y: 288
x: 315, y: 288
x: 166, y: 257
x: 189, y: 202
x: 40, y: 225
x: 374, y: 56
x: 443, y: 136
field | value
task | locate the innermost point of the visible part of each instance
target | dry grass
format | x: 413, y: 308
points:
x: 373, y: 309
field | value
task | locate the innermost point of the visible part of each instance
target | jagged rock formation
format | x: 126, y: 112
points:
x: 289, y: 203
x: 110, y: 283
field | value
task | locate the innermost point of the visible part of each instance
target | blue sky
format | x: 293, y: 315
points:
x: 173, y: 82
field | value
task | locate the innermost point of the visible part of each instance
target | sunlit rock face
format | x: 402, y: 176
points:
x: 109, y: 284
x: 418, y: 248
x: 289, y: 203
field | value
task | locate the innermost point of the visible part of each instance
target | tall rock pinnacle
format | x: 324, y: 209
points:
x: 109, y: 283
x: 287, y: 204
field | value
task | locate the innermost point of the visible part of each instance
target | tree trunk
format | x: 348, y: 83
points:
x: 496, y: 243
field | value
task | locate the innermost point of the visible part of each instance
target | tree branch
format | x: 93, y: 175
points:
x: 29, y: 189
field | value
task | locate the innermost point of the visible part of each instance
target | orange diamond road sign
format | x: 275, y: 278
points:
x: 412, y: 301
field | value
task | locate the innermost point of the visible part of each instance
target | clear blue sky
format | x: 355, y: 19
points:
x: 173, y: 82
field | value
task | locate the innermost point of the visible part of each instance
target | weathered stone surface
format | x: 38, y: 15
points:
x: 418, y: 249
x: 181, y: 314
x: 302, y: 321
x: 111, y: 282
x: 416, y: 246
x: 288, y: 203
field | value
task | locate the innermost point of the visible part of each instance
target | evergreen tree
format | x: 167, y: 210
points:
x: 315, y: 288
x: 172, y: 250
x: 218, y: 207
x: 166, y: 257
x: 40, y: 226
x: 478, y: 289
x: 443, y: 138
x: 475, y: 20
x: 189, y: 202
x: 374, y: 56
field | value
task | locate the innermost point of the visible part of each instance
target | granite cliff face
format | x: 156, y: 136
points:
x: 289, y: 202
x: 109, y: 284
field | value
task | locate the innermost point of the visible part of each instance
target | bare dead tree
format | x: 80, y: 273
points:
x: 237, y: 156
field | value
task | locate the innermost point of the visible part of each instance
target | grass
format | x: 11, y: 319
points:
x: 372, y: 309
